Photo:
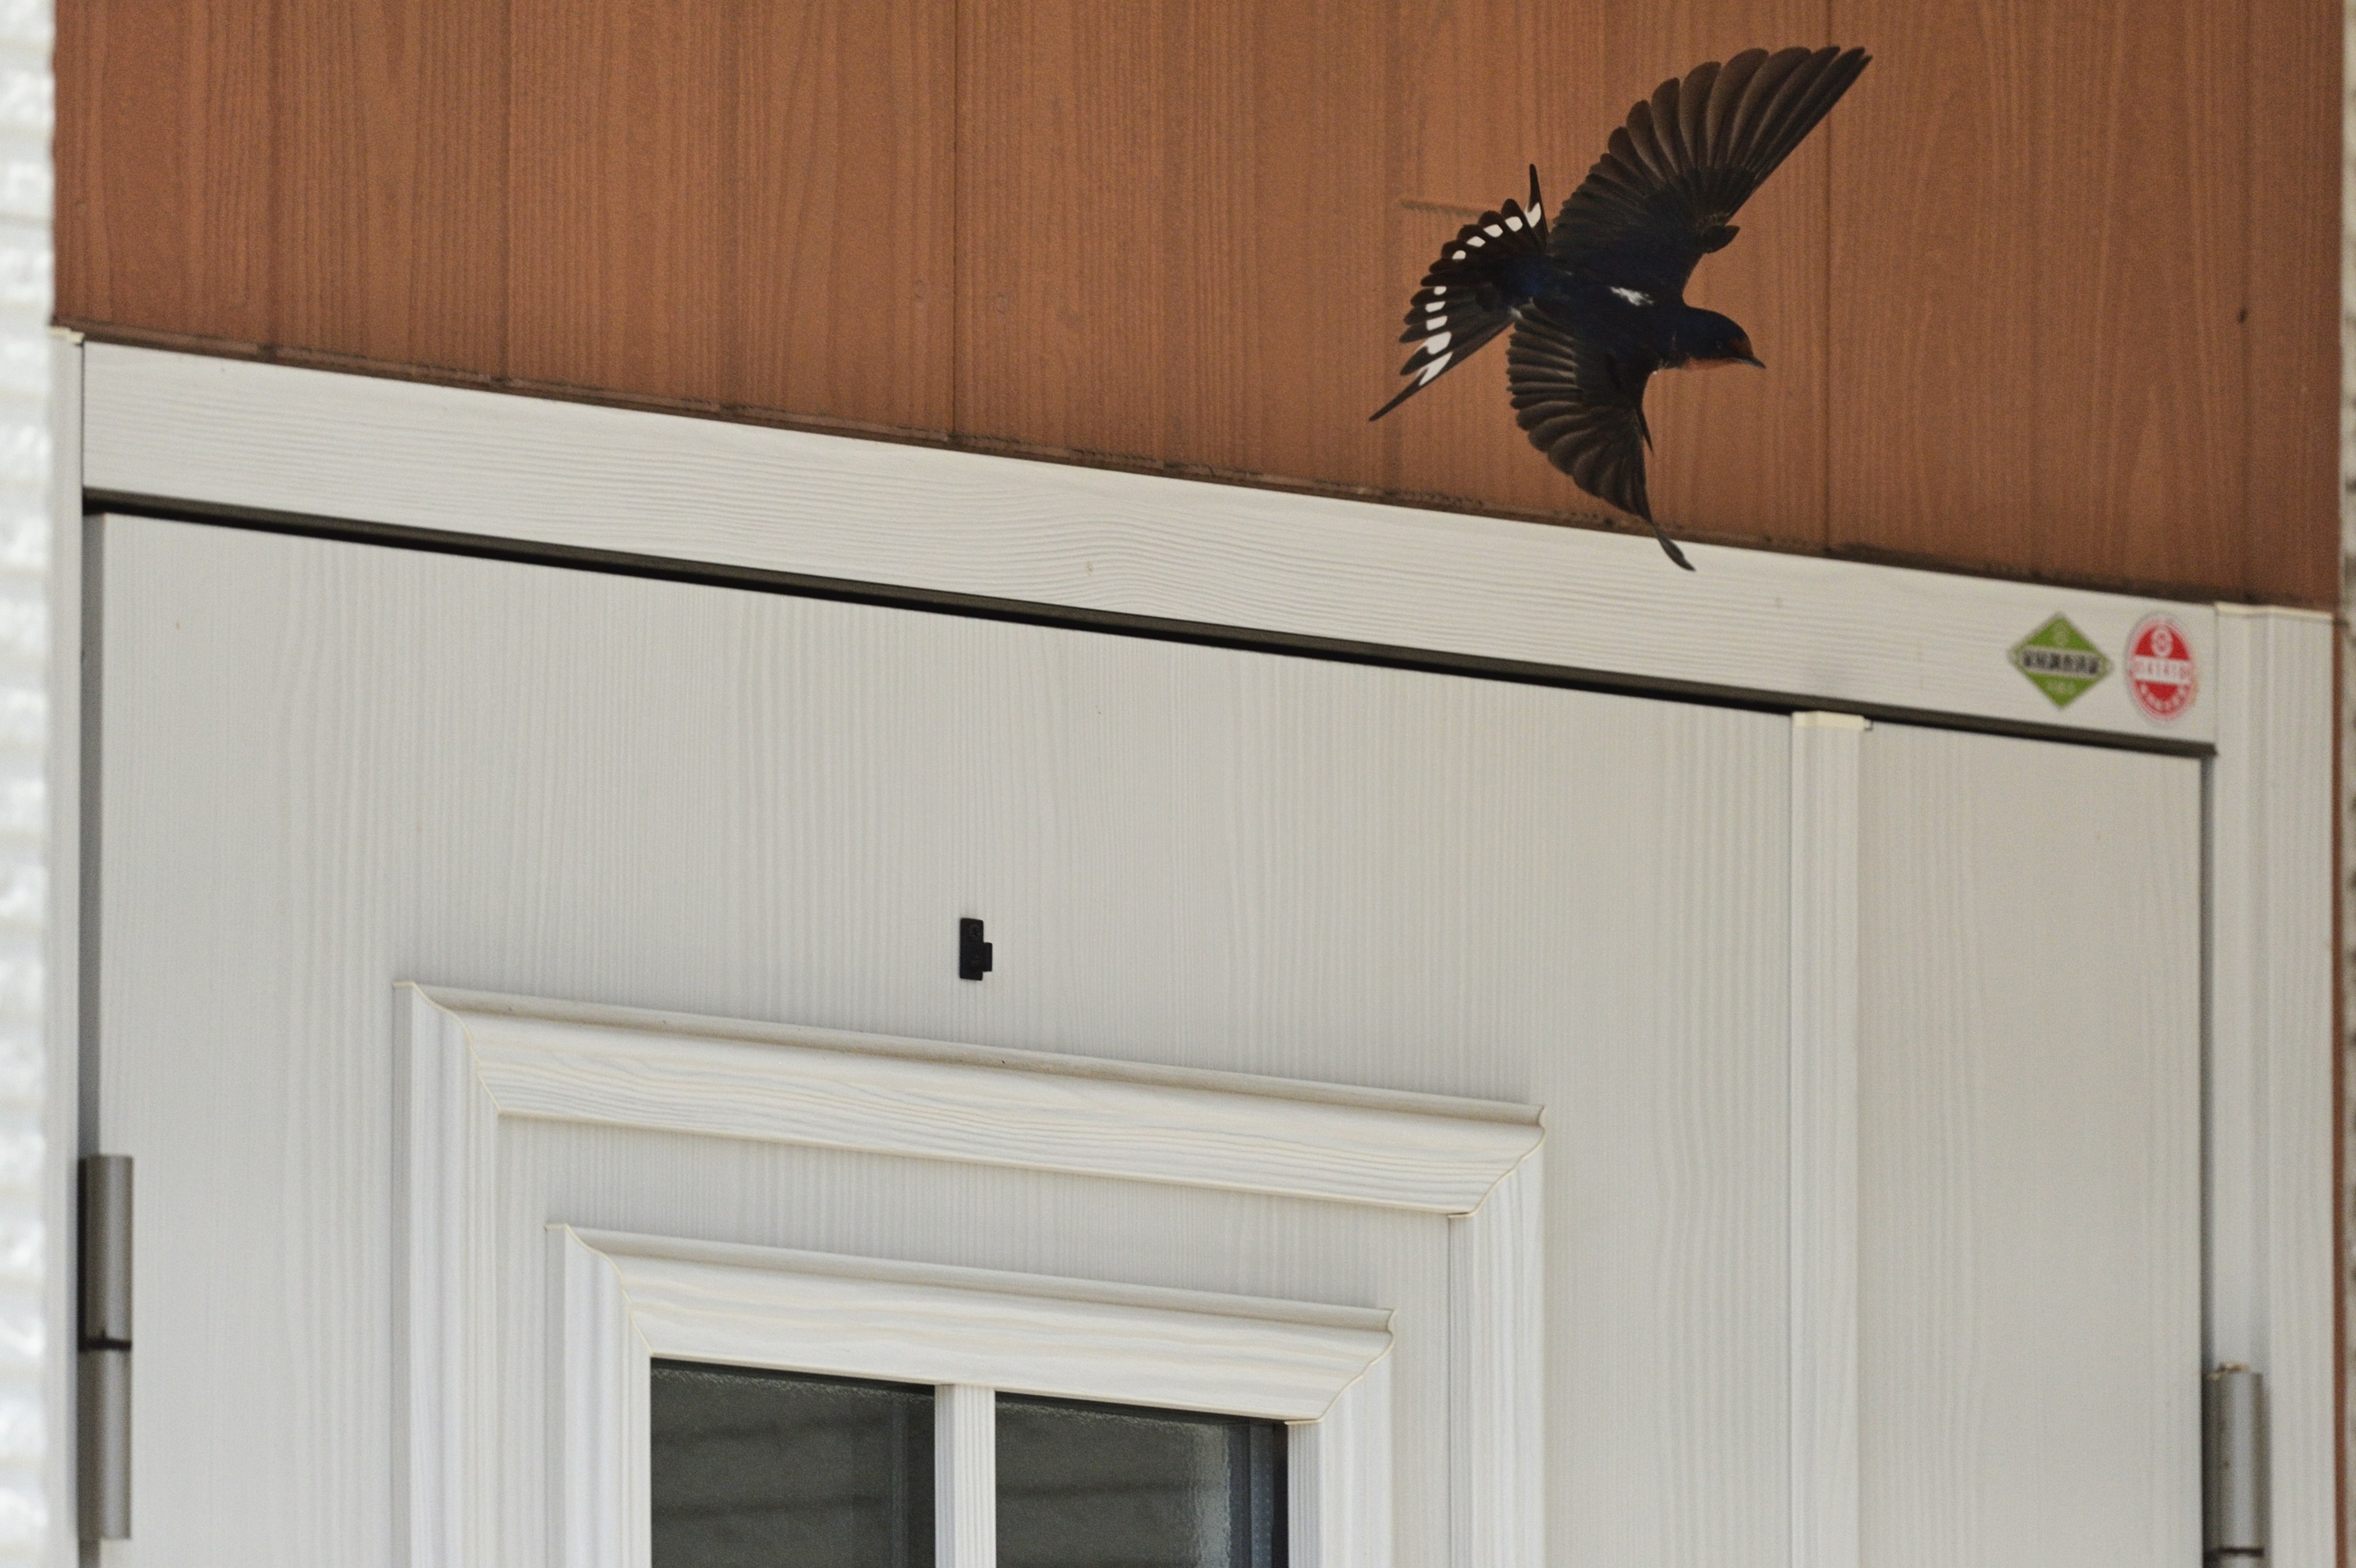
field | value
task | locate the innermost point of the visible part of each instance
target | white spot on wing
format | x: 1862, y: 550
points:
x: 1475, y: 240
x: 1436, y: 342
x: 1434, y: 368
x: 1515, y: 224
x: 1439, y: 289
x: 1458, y: 256
x: 1492, y: 230
x: 1634, y: 296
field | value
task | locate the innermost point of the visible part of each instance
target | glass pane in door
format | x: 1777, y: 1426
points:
x: 762, y: 1469
x: 1096, y: 1485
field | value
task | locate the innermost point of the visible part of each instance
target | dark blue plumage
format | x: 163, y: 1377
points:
x: 1596, y: 299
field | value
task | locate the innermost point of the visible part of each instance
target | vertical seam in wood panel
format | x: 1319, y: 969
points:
x: 1825, y: 354
x: 2338, y: 1094
x: 508, y: 318
x: 957, y: 95
x: 1395, y: 237
x: 274, y: 118
x: 2244, y: 575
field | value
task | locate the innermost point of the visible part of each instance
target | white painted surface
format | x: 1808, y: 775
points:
x: 867, y: 1318
x: 2270, y: 1096
x: 628, y: 1299
x: 603, y: 1512
x: 35, y: 1525
x: 1826, y: 754
x: 2029, y: 1094
x: 478, y: 1067
x: 349, y: 766
x: 1496, y: 1337
x: 256, y: 437
x: 61, y: 966
x: 964, y: 1477
x: 1347, y: 1456
x: 936, y: 1099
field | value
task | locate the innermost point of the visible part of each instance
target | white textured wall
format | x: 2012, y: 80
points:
x: 30, y: 1523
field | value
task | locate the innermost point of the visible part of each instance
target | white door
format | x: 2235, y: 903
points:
x: 326, y: 770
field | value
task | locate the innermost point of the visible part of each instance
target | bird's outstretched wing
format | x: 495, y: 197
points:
x: 1689, y: 156
x: 1585, y: 409
x: 1471, y: 294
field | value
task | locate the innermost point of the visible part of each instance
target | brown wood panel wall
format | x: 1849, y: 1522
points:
x: 2053, y: 294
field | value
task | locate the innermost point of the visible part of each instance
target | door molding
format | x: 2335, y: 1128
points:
x: 931, y: 1100
x: 624, y: 1301
x: 1176, y: 556
x: 472, y: 1061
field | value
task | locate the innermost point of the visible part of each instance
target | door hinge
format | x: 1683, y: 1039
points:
x: 2234, y: 1465
x: 104, y: 1365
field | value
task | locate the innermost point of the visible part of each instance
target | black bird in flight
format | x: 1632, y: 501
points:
x: 1597, y: 300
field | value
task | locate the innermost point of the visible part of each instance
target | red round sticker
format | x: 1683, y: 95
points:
x: 2159, y: 667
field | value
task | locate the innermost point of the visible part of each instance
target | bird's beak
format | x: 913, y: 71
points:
x: 1750, y: 359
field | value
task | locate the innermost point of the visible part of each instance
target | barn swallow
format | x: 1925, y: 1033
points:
x: 1597, y: 299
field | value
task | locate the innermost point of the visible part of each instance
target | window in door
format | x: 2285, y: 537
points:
x: 756, y: 1469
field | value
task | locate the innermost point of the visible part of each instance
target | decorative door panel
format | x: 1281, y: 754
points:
x: 327, y: 768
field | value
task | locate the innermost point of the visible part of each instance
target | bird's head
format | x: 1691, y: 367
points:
x: 1707, y: 340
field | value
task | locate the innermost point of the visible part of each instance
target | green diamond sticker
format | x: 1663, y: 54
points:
x: 2059, y: 661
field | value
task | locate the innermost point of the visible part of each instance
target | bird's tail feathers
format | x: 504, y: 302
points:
x: 1472, y: 292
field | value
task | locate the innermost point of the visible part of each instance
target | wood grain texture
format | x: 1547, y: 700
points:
x: 1932, y: 259
x: 2049, y: 296
x: 762, y: 218
x: 859, y: 1317
x: 2270, y: 1090
x: 620, y: 254
x: 165, y: 179
x: 964, y: 1477
x: 602, y: 1511
x: 2291, y: 343
x: 2038, y: 259
x: 1347, y: 1455
x: 679, y: 796
x: 1172, y: 231
x: 931, y: 1100
x: 1496, y: 1412
x: 2138, y: 211
x: 2029, y: 1088
x: 390, y: 221
x: 1827, y: 754
x: 839, y: 282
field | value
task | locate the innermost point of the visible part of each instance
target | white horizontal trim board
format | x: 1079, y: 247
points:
x: 271, y: 439
x: 868, y: 1317
x: 839, y: 1090
x: 473, y: 1062
x: 626, y: 1301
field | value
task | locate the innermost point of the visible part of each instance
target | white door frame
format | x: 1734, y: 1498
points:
x: 140, y: 429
